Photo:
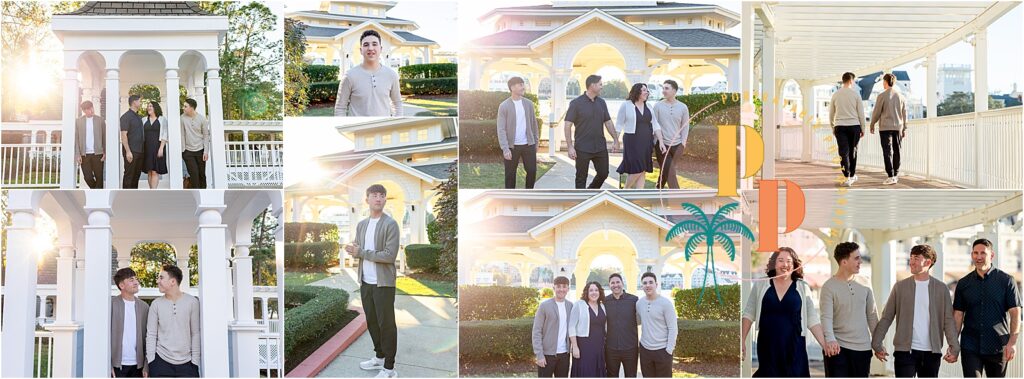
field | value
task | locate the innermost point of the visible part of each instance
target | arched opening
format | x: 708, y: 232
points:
x: 602, y: 253
x: 148, y: 258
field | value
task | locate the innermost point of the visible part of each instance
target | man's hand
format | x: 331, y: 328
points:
x: 572, y: 153
x: 206, y: 157
x: 128, y: 155
x: 832, y: 348
x: 882, y: 355
x: 661, y: 144
x: 1008, y: 352
x: 508, y: 156
x: 903, y: 134
x: 78, y: 159
x: 862, y: 134
x: 541, y: 362
x: 352, y: 249
x: 103, y: 158
x: 575, y: 351
x: 615, y: 146
x: 145, y: 373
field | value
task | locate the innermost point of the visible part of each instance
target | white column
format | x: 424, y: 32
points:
x: 559, y: 84
x: 245, y: 330
x: 265, y: 310
x: 931, y: 86
x: 199, y: 92
x: 186, y: 272
x: 98, y: 238
x: 732, y: 75
x: 112, y: 162
x: 79, y: 292
x: 20, y: 291
x: 124, y: 256
x: 174, y: 141
x: 746, y: 80
x: 769, y: 99
x: 65, y: 329
x: 883, y: 277
x: 807, y: 90
x: 981, y: 69
x: 217, y: 157
x: 938, y: 242
x: 211, y: 237
x: 68, y: 179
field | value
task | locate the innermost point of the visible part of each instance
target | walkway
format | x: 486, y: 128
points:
x: 823, y: 176
x: 427, y: 335
x: 563, y: 174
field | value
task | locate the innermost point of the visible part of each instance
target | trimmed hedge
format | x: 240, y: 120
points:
x: 483, y: 105
x: 709, y: 309
x: 422, y: 257
x: 696, y: 102
x: 321, y: 72
x: 315, y: 312
x: 478, y: 140
x: 432, y: 229
x: 496, y: 302
x: 323, y: 92
x: 510, y: 340
x: 429, y: 70
x: 306, y: 256
x: 430, y: 86
x: 310, y: 232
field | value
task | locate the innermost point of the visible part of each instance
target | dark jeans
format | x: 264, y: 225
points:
x: 528, y: 154
x: 127, y: 371
x: 655, y: 363
x: 847, y: 137
x: 160, y: 368
x: 666, y: 165
x: 92, y: 170
x: 849, y: 364
x: 891, y: 142
x: 132, y: 170
x: 196, y: 168
x: 583, y: 160
x: 379, y: 307
x: 627, y: 358
x: 923, y: 364
x: 557, y: 366
x: 974, y: 364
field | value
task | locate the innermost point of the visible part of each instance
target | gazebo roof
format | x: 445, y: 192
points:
x: 672, y: 37
x: 138, y: 8
x: 320, y: 31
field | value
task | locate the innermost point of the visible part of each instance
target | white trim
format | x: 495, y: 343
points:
x: 732, y: 18
x: 376, y: 157
x: 599, y: 15
x: 418, y: 149
x: 599, y: 199
x: 333, y: 16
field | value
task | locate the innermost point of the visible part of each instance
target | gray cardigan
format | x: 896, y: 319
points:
x: 545, y: 327
x: 385, y: 252
x: 99, y: 133
x: 117, y: 330
x: 900, y: 307
x: 890, y: 111
x: 507, y: 123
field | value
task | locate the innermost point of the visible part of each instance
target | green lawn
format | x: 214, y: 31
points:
x: 300, y: 278
x: 684, y: 183
x: 492, y: 175
x: 36, y: 178
x: 437, y: 105
x: 41, y: 363
x: 319, y: 110
x: 411, y: 286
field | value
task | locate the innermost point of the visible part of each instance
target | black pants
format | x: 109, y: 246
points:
x: 126, y: 371
x: 973, y: 364
x: 666, y: 165
x: 891, y: 142
x: 626, y: 358
x: 132, y: 170
x: 847, y: 137
x: 556, y: 366
x: 849, y: 364
x: 528, y: 154
x: 655, y: 363
x: 160, y: 368
x: 379, y: 307
x: 196, y: 168
x: 923, y: 364
x: 92, y: 170
x: 583, y: 160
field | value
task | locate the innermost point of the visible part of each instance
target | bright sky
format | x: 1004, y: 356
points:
x: 310, y: 137
x: 435, y: 18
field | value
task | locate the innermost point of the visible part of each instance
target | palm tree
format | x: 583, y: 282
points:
x: 710, y: 230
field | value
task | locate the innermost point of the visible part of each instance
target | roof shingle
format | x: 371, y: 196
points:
x: 134, y: 8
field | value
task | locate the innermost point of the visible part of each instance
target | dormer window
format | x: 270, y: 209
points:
x: 421, y: 135
x: 385, y: 139
x: 542, y: 23
x: 368, y: 142
x: 403, y: 137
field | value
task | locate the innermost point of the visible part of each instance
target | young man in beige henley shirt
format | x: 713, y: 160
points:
x: 195, y: 143
x: 172, y: 336
x: 890, y: 114
x: 370, y: 89
x: 846, y: 115
x: 848, y: 316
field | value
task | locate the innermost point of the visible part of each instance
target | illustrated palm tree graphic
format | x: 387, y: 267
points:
x: 709, y: 230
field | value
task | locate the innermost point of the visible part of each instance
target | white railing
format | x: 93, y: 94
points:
x: 271, y: 355
x: 42, y: 367
x: 272, y: 326
x: 975, y: 150
x: 255, y: 164
x: 30, y: 165
x: 791, y: 141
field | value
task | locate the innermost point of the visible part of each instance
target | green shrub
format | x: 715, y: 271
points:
x: 323, y: 92
x: 321, y: 73
x: 709, y: 309
x: 429, y: 70
x: 311, y: 256
x: 313, y: 312
x: 422, y: 257
x: 310, y: 232
x: 483, y: 105
x: 547, y: 293
x: 708, y: 340
x: 478, y: 140
x: 696, y: 102
x: 496, y: 302
x: 702, y: 142
x: 432, y: 230
x: 430, y: 86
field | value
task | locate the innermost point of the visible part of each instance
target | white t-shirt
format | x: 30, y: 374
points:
x: 563, y: 328
x: 90, y: 143
x: 370, y: 268
x: 921, y: 337
x: 128, y: 339
x: 520, y: 123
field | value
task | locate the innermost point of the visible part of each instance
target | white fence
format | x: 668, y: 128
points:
x: 974, y: 150
x: 255, y: 164
x: 42, y: 367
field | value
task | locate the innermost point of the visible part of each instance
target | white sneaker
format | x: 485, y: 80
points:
x: 895, y: 179
x: 889, y: 181
x: 848, y: 182
x: 372, y: 364
x: 385, y: 373
x: 853, y: 179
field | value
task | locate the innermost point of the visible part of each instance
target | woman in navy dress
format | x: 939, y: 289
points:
x: 154, y: 127
x: 588, y: 351
x: 640, y: 131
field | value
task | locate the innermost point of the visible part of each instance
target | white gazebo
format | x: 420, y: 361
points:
x: 89, y: 224
x: 109, y: 47
x: 814, y: 43
x: 886, y: 224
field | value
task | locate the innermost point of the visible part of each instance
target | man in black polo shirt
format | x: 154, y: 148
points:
x: 622, y: 341
x: 987, y: 306
x: 589, y: 114
x: 132, y: 143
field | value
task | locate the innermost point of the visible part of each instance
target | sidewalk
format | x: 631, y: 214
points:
x: 563, y: 174
x: 427, y: 335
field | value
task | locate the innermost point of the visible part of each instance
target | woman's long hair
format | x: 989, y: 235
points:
x: 798, y: 265
x: 156, y: 109
x: 634, y: 93
x: 600, y: 292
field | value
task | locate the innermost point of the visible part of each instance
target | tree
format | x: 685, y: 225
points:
x: 615, y: 89
x: 296, y: 80
x: 264, y: 265
x: 959, y: 102
x: 149, y: 258
x: 447, y: 210
x: 708, y: 231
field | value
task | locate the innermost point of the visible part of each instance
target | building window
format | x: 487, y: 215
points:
x: 542, y: 23
x: 385, y: 139
x: 421, y: 135
x: 538, y: 209
x: 368, y: 142
x: 403, y: 137
x: 689, y: 21
x: 665, y: 22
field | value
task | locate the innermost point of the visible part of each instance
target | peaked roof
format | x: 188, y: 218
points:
x: 605, y: 197
x: 139, y: 8
x: 378, y: 158
x: 593, y: 15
